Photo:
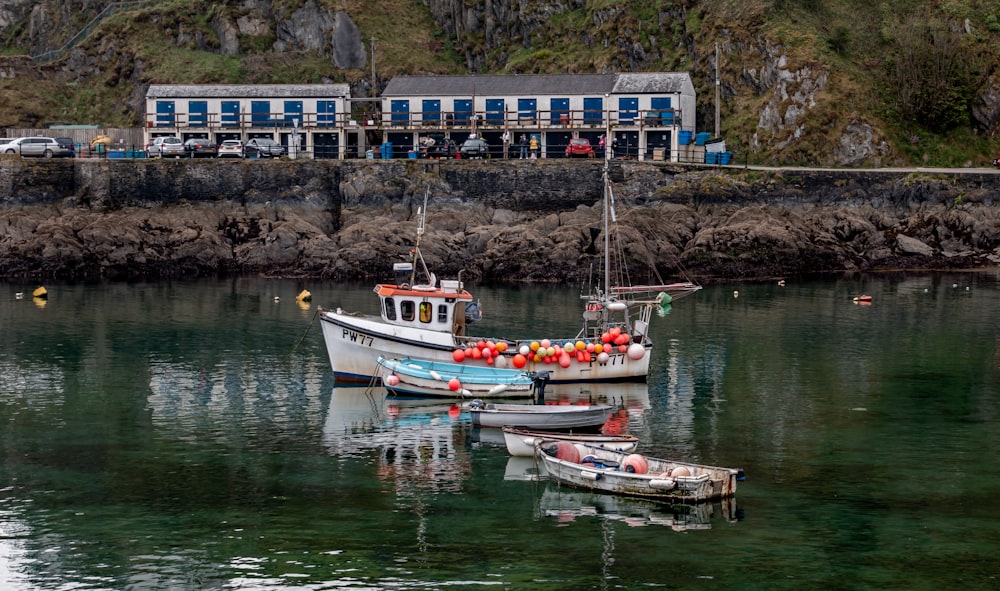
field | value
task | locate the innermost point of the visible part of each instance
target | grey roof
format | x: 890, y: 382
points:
x: 536, y: 84
x: 531, y: 84
x: 183, y: 91
x: 669, y: 82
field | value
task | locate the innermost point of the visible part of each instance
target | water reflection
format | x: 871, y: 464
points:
x: 566, y: 506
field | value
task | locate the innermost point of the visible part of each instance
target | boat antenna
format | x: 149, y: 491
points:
x: 607, y: 240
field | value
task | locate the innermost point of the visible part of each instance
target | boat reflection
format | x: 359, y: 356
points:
x: 567, y: 505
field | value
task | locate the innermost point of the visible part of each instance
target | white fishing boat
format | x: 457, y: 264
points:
x: 424, y: 318
x: 550, y: 417
x: 521, y: 442
x: 601, y: 470
x: 419, y: 377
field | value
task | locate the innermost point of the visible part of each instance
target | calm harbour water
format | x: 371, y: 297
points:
x: 189, y: 436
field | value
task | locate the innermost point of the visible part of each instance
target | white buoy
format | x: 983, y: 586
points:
x: 436, y: 375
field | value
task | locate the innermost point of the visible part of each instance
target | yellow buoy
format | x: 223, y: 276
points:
x: 41, y: 292
x: 304, y: 296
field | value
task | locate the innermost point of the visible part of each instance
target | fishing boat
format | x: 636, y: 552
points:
x: 630, y: 474
x: 549, y: 417
x: 521, y: 442
x: 419, y: 377
x: 422, y: 317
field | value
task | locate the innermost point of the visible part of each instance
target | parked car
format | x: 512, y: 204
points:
x: 436, y: 145
x: 231, y: 149
x: 165, y: 147
x: 579, y: 146
x: 200, y: 147
x: 263, y: 147
x: 475, y: 147
x: 67, y: 149
x: 996, y: 162
x: 45, y: 147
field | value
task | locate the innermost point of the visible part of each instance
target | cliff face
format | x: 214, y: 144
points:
x: 820, y: 82
x: 497, y: 221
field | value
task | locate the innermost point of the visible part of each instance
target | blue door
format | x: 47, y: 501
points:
x: 560, y: 111
x: 463, y: 111
x: 293, y: 113
x: 432, y: 111
x: 400, y: 112
x: 326, y: 113
x: 165, y: 113
x: 197, y: 113
x: 494, y: 111
x: 593, y: 111
x: 661, y: 104
x: 230, y: 114
x: 260, y: 113
x: 628, y: 109
x: 527, y: 110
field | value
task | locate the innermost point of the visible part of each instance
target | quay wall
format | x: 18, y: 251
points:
x: 497, y: 221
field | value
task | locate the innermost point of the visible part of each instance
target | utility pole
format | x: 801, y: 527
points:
x: 717, y: 85
x: 373, y: 66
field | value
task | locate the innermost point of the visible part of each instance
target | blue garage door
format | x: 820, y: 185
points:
x: 326, y: 113
x: 463, y: 111
x: 400, y: 112
x: 260, y: 113
x: 527, y: 110
x: 197, y: 113
x: 432, y: 111
x: 494, y: 111
x: 593, y: 111
x: 560, y: 110
x: 230, y: 114
x: 164, y: 113
x: 628, y: 109
x: 293, y: 113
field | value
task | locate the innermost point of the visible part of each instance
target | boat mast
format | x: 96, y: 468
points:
x: 607, y: 238
x: 421, y: 222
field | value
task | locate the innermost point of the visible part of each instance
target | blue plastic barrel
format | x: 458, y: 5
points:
x: 711, y: 157
x: 701, y: 137
x: 725, y: 157
x: 684, y: 137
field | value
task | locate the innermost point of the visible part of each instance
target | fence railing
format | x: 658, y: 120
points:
x: 57, y: 54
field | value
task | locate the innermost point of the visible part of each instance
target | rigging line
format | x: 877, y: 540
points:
x: 311, y: 321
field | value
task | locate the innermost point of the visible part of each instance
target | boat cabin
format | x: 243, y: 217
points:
x: 443, y: 308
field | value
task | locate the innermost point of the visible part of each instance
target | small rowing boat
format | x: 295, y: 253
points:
x: 521, y: 442
x: 547, y: 417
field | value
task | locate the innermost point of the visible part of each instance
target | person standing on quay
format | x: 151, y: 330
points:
x: 534, y: 147
x: 506, y: 144
x: 524, y: 146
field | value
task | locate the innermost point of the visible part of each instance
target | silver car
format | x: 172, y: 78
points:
x: 46, y: 147
x: 165, y: 147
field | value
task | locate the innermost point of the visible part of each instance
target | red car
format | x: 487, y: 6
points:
x: 579, y: 147
x: 996, y: 162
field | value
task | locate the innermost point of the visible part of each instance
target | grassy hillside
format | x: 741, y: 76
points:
x: 798, y: 76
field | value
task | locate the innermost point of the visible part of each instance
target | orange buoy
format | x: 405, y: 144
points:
x: 635, y: 464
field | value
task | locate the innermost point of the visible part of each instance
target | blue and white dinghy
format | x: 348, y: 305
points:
x: 421, y: 377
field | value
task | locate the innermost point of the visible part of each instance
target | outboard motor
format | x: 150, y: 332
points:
x: 476, y: 404
x: 539, y: 381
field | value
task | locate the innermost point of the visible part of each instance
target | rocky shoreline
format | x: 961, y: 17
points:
x: 495, y: 221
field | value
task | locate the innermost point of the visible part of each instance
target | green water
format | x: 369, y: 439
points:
x: 189, y: 436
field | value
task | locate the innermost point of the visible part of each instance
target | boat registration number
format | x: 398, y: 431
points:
x: 361, y: 339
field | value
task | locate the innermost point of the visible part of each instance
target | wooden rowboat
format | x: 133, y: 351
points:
x: 547, y: 417
x: 602, y: 470
x: 521, y: 442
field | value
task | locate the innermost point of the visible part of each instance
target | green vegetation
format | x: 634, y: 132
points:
x: 911, y: 70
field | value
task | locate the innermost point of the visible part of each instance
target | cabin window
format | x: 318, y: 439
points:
x: 390, y: 309
x: 442, y: 313
x: 407, y: 309
x: 426, y: 311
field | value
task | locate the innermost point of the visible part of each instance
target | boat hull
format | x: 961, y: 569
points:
x: 705, y: 483
x: 542, y: 416
x: 355, y: 343
x: 521, y: 442
x: 429, y: 378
